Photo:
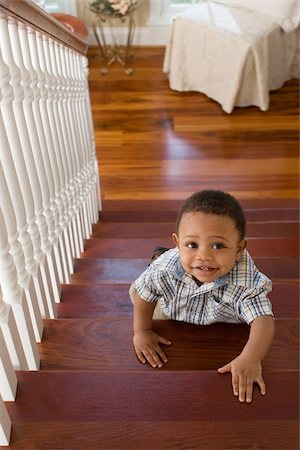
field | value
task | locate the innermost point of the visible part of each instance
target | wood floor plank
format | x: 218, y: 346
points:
x: 106, y: 345
x: 282, y: 147
x: 195, y: 123
x: 105, y: 270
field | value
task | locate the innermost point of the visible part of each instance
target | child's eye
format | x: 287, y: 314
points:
x: 192, y: 245
x: 217, y: 246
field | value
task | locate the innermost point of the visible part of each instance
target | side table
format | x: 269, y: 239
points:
x: 108, y: 44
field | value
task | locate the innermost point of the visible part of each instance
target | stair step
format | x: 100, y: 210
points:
x: 165, y: 230
x: 105, y: 345
x: 169, y: 215
x: 143, y: 247
x: 105, y: 270
x: 92, y: 396
x: 107, y: 300
x: 129, y: 206
x: 155, y: 396
x: 160, y: 434
x: 112, y: 300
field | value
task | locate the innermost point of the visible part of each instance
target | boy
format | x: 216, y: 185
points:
x: 209, y: 277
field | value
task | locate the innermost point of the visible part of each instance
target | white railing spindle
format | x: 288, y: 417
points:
x: 11, y: 335
x: 5, y: 424
x: 8, y: 379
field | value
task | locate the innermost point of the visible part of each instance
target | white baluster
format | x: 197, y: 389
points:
x: 20, y: 147
x: 15, y: 218
x: 40, y: 92
x: 68, y: 73
x: 36, y: 171
x: 67, y: 189
x: 83, y: 69
x: 63, y: 131
x: 8, y: 379
x: 45, y: 64
x: 5, y: 424
x: 71, y: 142
x: 83, y: 143
x: 15, y: 297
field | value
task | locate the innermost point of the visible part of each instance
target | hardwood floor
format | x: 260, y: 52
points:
x: 154, y: 148
x: 158, y: 144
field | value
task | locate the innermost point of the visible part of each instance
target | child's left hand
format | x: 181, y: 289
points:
x: 245, y: 372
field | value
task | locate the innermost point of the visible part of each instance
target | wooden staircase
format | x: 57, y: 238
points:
x: 92, y: 393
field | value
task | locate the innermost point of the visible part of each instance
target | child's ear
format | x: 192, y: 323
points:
x: 175, y: 239
x: 241, y: 247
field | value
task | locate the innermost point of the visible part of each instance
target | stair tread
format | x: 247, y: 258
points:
x: 165, y: 229
x: 173, y: 205
x: 143, y: 247
x: 112, y: 300
x: 106, y: 345
x: 167, y: 214
x: 123, y: 270
x: 148, y: 396
x: 145, y: 435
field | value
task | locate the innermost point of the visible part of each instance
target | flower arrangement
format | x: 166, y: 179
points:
x: 113, y: 7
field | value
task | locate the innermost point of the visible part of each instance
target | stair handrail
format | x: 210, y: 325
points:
x: 28, y: 12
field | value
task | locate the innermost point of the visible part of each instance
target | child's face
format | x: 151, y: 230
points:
x: 209, y: 245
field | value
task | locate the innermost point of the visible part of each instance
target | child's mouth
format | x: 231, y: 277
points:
x: 206, y: 269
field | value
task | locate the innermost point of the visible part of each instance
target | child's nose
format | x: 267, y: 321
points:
x: 204, y: 253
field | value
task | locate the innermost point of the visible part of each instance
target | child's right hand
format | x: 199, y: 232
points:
x: 147, y: 348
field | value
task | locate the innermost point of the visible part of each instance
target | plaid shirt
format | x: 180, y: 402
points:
x: 239, y: 296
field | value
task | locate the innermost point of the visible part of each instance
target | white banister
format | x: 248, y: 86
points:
x: 49, y: 184
x: 14, y: 170
x: 68, y: 129
x: 36, y: 171
x: 21, y: 151
x: 25, y: 278
x: 39, y: 84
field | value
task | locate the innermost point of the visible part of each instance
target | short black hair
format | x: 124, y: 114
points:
x: 215, y: 202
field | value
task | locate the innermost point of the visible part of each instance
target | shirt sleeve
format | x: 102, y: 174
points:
x: 254, y: 304
x: 146, y: 286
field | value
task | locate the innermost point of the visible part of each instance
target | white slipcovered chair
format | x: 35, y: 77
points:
x: 234, y: 51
